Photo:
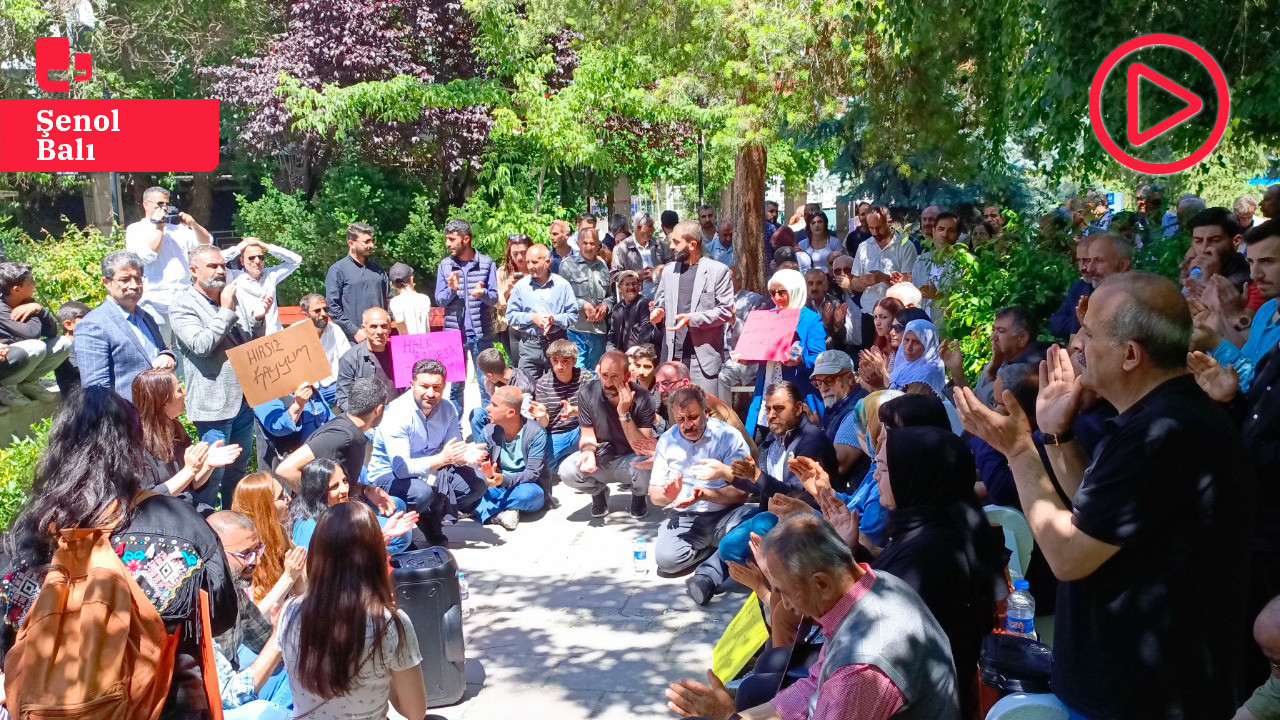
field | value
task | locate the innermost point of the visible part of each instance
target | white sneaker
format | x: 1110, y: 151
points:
x: 11, y: 397
x: 36, y: 392
x: 508, y: 519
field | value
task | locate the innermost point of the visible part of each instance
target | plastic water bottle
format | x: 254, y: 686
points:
x: 1020, y: 614
x: 640, y: 556
x: 1197, y: 273
x: 464, y: 593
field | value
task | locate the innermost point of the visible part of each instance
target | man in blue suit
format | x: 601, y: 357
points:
x: 117, y: 340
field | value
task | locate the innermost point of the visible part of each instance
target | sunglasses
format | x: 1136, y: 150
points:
x: 896, y: 327
x: 517, y: 238
x: 842, y: 271
x: 778, y: 292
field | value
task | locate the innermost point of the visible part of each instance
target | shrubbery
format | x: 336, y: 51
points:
x: 18, y: 469
x: 68, y: 267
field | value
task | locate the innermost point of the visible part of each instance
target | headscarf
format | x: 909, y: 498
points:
x: 928, y: 368
x: 797, y: 289
x: 866, y: 419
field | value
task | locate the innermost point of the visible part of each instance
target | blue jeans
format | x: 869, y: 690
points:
x: 525, y: 497
x: 479, y: 421
x: 471, y: 347
x: 590, y: 348
x: 330, y: 395
x: 235, y: 431
x: 563, y: 445
x: 276, y: 689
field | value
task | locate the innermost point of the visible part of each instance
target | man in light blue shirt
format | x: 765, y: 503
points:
x: 691, y: 476
x: 419, y: 456
x: 720, y: 247
x: 540, y: 311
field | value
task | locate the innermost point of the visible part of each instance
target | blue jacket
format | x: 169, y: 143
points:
x: 108, y: 351
x: 1064, y: 322
x: 813, y: 340
x: 473, y: 316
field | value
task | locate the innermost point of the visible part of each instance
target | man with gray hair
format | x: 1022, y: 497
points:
x: 1176, y: 220
x: 642, y: 254
x: 1121, y: 531
x: 205, y: 327
x: 162, y: 240
x: 1245, y: 207
x: 1108, y: 255
x: 884, y: 654
x: 116, y: 341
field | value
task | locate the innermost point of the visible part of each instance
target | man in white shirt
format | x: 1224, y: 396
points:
x: 410, y: 309
x: 163, y: 247
x: 332, y: 339
x: 256, y: 284
x: 880, y: 262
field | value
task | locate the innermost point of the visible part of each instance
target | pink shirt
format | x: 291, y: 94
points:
x: 854, y: 692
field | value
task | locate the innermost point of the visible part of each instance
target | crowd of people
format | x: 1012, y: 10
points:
x: 844, y: 483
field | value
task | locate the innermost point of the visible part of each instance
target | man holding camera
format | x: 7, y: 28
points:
x: 162, y: 239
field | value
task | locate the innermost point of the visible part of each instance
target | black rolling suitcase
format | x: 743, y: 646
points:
x: 426, y: 586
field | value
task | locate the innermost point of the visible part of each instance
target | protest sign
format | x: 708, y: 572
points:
x: 445, y: 346
x: 767, y: 335
x: 274, y: 366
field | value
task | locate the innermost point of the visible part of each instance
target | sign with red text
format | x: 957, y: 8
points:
x: 767, y: 335
x: 274, y: 366
x: 445, y: 346
x: 108, y: 135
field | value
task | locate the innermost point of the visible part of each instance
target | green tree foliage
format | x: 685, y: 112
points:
x: 66, y: 267
x: 18, y: 470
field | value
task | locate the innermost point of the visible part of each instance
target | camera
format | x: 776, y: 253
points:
x: 172, y: 215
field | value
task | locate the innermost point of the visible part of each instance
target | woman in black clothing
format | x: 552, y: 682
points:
x: 172, y: 464
x: 940, y: 542
x: 92, y: 468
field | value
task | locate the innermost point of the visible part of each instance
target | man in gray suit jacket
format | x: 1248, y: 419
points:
x: 205, y: 326
x: 116, y: 341
x: 695, y: 300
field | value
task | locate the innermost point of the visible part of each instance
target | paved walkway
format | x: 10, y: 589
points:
x: 564, y: 628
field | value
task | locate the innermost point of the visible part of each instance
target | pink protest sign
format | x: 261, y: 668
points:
x: 444, y: 345
x: 767, y: 335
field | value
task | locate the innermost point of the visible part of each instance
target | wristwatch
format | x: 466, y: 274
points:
x: 1056, y: 439
x: 625, y: 417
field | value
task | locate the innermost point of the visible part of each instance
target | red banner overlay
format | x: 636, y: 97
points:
x: 108, y: 135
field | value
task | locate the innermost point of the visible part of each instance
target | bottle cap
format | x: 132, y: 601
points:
x: 462, y: 575
x: 1021, y: 585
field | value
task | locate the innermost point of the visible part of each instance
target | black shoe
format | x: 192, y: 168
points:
x: 701, y: 588
x: 600, y: 504
x: 639, y: 506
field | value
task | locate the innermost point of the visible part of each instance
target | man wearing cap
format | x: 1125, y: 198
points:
x: 410, y: 309
x: 833, y: 377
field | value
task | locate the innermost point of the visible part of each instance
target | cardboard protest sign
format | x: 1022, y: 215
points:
x: 767, y: 335
x: 274, y: 366
x: 445, y: 346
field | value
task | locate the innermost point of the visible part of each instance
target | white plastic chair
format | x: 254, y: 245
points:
x: 1017, y: 537
x: 1024, y: 706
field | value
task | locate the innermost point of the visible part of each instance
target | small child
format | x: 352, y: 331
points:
x: 410, y: 309
x: 68, y: 373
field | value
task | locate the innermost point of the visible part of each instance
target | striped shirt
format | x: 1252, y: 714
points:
x: 550, y: 392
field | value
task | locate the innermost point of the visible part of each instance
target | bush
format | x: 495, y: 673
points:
x: 69, y: 267
x: 18, y: 470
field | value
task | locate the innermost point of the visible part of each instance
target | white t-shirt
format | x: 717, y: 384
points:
x: 898, y: 256
x: 335, y: 344
x: 371, y: 690
x: 412, y: 311
x: 165, y: 272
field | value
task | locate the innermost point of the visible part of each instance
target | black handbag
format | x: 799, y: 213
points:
x: 1010, y: 663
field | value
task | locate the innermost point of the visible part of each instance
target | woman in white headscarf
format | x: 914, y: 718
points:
x: 918, y: 359
x: 788, y: 290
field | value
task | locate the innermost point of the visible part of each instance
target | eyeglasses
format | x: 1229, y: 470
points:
x: 249, y: 557
x: 126, y: 281
x: 517, y: 238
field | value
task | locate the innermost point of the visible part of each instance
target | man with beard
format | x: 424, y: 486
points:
x: 205, y: 326
x: 368, y: 358
x: 695, y: 301
x: 691, y: 477
x: 419, y: 456
x: 257, y: 289
x: 332, y: 339
x: 671, y: 376
x: 615, y: 422
x: 833, y: 377
x: 791, y: 435
x: 115, y: 342
x: 355, y: 283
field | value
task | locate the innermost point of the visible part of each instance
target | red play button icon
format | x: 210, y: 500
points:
x: 1139, y: 72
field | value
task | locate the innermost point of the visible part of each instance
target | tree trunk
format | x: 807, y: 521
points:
x: 200, y: 204
x: 749, y: 175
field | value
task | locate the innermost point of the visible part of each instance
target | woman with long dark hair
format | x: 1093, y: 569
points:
x: 324, y: 485
x: 90, y: 476
x: 347, y: 648
x: 172, y: 464
x: 513, y: 268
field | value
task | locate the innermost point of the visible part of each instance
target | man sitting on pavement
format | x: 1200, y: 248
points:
x: 692, y: 476
x: 419, y: 456
x: 615, y: 421
x: 673, y: 375
x: 516, y: 471
x: 885, y: 655
x: 371, y: 357
x: 496, y: 373
x: 554, y: 397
